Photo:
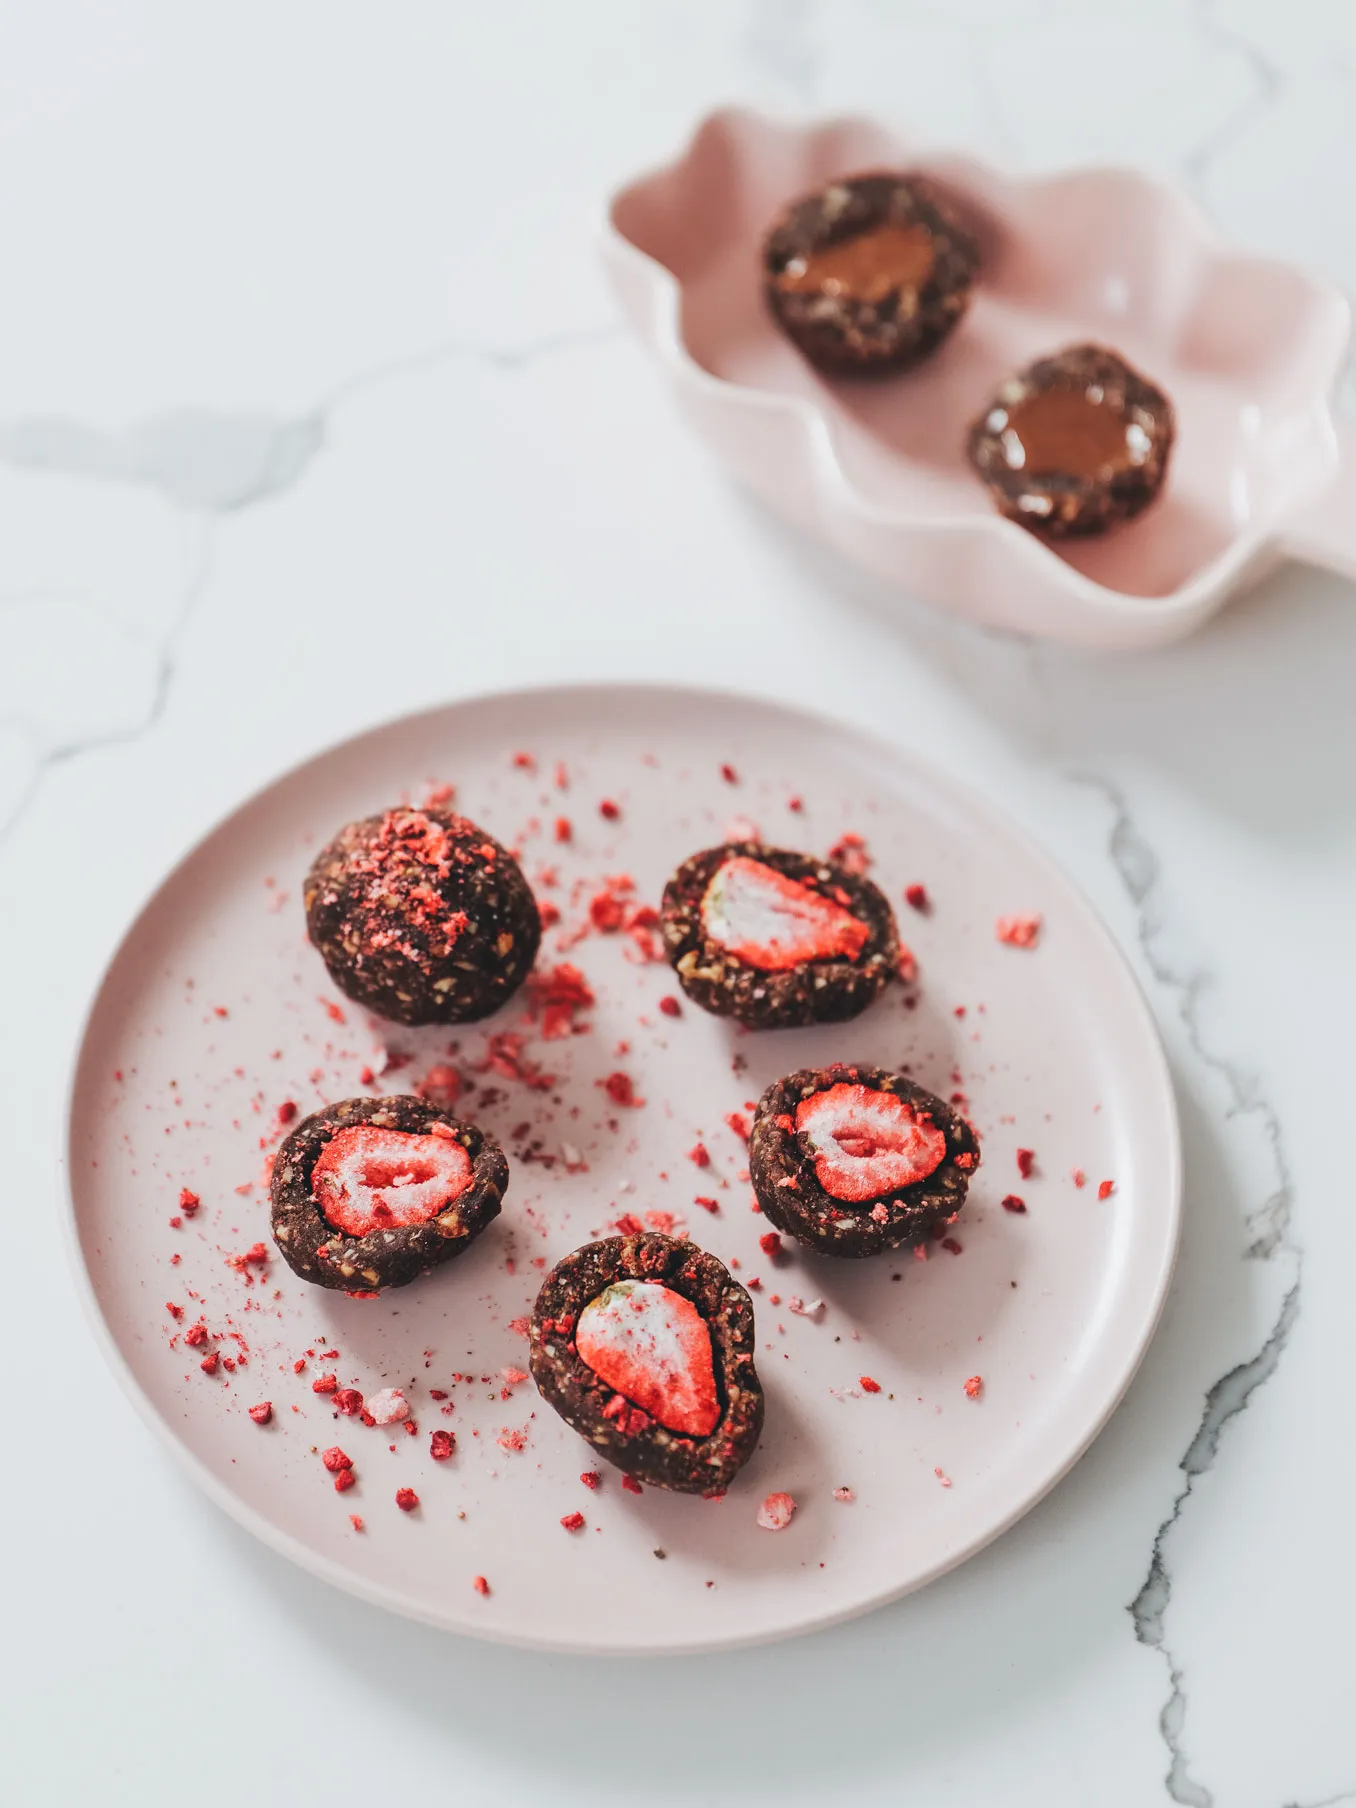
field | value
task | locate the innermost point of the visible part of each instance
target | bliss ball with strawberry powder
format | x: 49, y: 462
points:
x: 853, y: 1161
x: 777, y: 939
x: 373, y: 1193
x: 422, y: 917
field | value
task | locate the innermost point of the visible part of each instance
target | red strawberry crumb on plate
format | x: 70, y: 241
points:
x: 348, y: 1400
x: 631, y: 1485
x: 356, y: 1521
x: 846, y: 1495
x: 406, y: 1499
x: 699, y: 1155
x: 776, y: 1512
x: 1079, y: 1178
x: 1018, y: 932
x: 335, y: 1459
x: 559, y: 995
x: 728, y: 773
x: 208, y: 1365
x: 344, y: 1480
x: 388, y: 1406
x: 1012, y: 1202
x: 591, y: 1479
x: 1026, y: 1163
x: 1106, y: 1189
x: 573, y: 1522
x: 620, y: 1088
x: 480, y: 1585
x: 441, y: 1086
x: 916, y: 896
x: 868, y: 1385
x: 670, y: 1006
x: 441, y: 1446
x: 609, y: 810
x: 942, y: 1477
x: 262, y: 1413
x: 188, y: 1202
x: 771, y: 1244
x: 974, y: 1387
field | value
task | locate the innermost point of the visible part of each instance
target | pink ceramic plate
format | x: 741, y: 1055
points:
x: 1247, y: 349
x: 216, y: 1013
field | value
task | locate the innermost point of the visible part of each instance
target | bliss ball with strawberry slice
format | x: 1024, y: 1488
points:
x: 777, y: 939
x: 422, y: 917
x: 853, y: 1161
x: 644, y: 1345
x: 373, y: 1193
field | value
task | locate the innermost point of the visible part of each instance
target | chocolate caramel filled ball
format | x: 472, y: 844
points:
x: 422, y: 917
x: 1074, y: 443
x: 869, y: 274
x: 644, y: 1345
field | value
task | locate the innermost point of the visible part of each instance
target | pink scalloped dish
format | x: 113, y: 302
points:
x: 1246, y: 349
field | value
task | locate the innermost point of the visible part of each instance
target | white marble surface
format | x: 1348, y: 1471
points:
x: 301, y: 331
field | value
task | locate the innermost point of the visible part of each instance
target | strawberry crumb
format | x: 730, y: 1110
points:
x: 591, y: 1479
x: 621, y: 1090
x: 1012, y: 1202
x: 262, y: 1413
x: 699, y: 1155
x: 573, y: 1522
x: 195, y: 1334
x: 771, y: 1244
x: 1018, y: 932
x: 846, y: 1495
x: 631, y: 1485
x: 728, y: 773
x: 868, y: 1385
x: 942, y: 1477
x: 974, y: 1386
x: 608, y: 810
x: 335, y: 1459
x: 287, y: 1111
x: 441, y: 1086
x: 1026, y: 1162
x: 670, y: 1006
x: 344, y: 1480
x: 775, y: 1512
x: 1106, y: 1189
x: 441, y: 1445
x: 916, y: 896
x: 188, y: 1202
x: 208, y: 1365
x: 707, y: 1204
x: 850, y: 852
x: 325, y: 1384
x: 406, y: 1499
x: 348, y: 1400
x: 480, y: 1585
x: 1080, y: 1179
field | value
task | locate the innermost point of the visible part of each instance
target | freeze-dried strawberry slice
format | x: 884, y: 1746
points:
x: 775, y: 923
x: 867, y: 1143
x: 652, y: 1345
x: 367, y: 1178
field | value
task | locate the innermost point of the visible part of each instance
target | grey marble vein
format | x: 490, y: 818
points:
x: 1267, y: 82
x: 210, y: 463
x: 1270, y: 1228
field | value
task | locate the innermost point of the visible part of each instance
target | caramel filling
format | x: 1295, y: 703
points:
x: 1073, y: 431
x: 866, y: 268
